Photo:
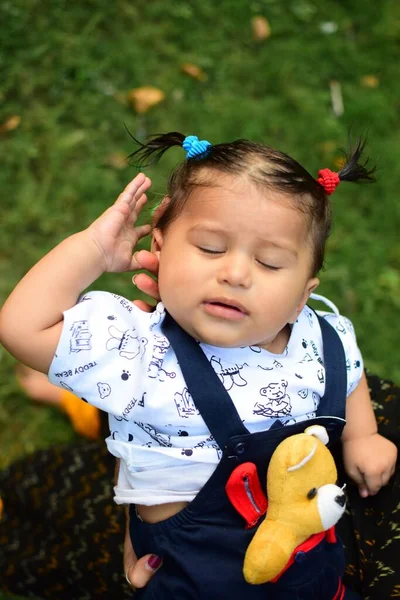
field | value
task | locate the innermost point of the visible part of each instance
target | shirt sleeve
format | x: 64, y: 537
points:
x: 101, y: 354
x: 354, y: 361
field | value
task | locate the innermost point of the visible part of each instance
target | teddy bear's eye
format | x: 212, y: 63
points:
x: 312, y: 493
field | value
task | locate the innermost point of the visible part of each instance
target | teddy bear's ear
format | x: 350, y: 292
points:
x: 305, y: 459
x: 319, y: 432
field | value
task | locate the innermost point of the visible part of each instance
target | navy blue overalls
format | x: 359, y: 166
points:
x: 203, y: 546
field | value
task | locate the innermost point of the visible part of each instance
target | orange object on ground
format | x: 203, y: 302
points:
x: 84, y: 417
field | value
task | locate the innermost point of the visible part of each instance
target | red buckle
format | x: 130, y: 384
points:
x: 245, y: 494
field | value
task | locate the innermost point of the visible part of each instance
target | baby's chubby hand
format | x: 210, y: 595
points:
x: 114, y: 232
x: 370, y: 461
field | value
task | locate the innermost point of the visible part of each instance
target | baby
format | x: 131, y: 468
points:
x: 231, y: 362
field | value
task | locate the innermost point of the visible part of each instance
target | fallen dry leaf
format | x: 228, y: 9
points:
x: 261, y: 28
x: 144, y: 98
x: 370, y: 81
x: 193, y: 71
x: 10, y: 123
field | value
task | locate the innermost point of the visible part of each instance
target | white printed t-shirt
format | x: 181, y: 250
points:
x: 116, y: 357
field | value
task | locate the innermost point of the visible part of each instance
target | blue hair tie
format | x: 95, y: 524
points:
x: 194, y: 146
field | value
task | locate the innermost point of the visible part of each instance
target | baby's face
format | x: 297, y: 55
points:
x: 235, y: 265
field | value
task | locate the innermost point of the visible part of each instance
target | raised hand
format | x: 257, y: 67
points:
x: 149, y: 261
x: 115, y: 233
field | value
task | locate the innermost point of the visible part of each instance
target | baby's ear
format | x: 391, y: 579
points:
x: 159, y: 210
x: 312, y: 284
x: 157, y: 240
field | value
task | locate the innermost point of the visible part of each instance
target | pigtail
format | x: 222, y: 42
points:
x: 353, y: 169
x: 154, y: 148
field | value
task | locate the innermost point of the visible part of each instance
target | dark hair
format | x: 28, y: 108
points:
x: 265, y: 167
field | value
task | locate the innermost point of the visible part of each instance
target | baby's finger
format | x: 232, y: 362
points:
x: 140, y: 203
x: 147, y: 260
x: 363, y: 490
x: 373, y: 483
x: 134, y: 189
x: 140, y: 574
x: 142, y: 231
x: 358, y: 478
x: 147, y: 285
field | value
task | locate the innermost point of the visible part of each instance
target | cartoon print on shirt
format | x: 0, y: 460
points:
x: 303, y: 394
x: 310, y: 318
x: 219, y: 453
x: 127, y: 342
x: 141, y: 401
x: 156, y: 319
x: 315, y: 399
x: 161, y: 439
x: 65, y: 386
x: 119, y: 418
x: 316, y: 353
x: 295, y: 420
x: 129, y: 407
x: 116, y: 435
x: 278, y: 401
x: 307, y: 358
x: 125, y: 375
x: 340, y: 327
x: 80, y: 336
x: 160, y: 348
x: 187, y: 452
x: 184, y: 404
x: 320, y: 375
x: 104, y: 390
x: 228, y: 374
x: 348, y: 323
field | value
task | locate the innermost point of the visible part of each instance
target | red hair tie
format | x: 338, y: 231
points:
x: 329, y: 180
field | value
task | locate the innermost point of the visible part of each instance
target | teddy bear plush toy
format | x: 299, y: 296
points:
x: 303, y: 500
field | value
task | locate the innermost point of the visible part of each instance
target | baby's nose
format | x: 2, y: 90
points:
x: 236, y: 271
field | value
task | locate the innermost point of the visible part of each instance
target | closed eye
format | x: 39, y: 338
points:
x: 210, y: 251
x: 270, y: 267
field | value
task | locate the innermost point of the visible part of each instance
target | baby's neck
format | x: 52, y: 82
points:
x: 278, y: 345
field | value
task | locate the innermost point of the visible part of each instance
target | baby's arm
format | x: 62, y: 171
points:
x: 369, y: 458
x: 31, y: 319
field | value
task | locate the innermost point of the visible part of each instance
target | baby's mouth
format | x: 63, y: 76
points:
x: 225, y: 308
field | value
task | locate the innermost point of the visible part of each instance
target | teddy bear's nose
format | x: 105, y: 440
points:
x: 341, y: 500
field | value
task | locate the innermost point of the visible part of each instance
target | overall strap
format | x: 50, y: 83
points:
x: 207, y: 390
x: 333, y: 403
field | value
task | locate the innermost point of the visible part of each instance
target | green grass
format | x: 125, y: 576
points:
x: 65, y: 67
